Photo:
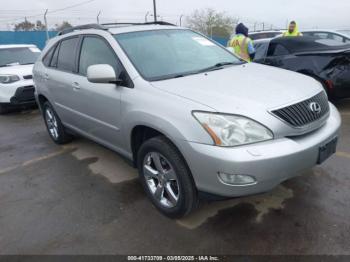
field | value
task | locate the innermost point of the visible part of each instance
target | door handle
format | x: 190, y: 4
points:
x: 76, y: 86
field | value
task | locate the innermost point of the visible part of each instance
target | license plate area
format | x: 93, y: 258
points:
x: 327, y: 150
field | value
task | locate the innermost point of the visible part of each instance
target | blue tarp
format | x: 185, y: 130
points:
x: 37, y: 38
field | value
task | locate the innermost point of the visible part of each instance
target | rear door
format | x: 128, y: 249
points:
x: 61, y: 76
x: 98, y: 105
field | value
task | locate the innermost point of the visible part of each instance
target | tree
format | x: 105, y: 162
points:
x: 212, y: 23
x: 64, y: 25
x: 24, y: 26
x: 28, y: 26
x: 39, y: 26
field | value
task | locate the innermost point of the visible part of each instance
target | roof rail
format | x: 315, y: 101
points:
x: 148, y: 23
x: 82, y: 27
x: 107, y: 25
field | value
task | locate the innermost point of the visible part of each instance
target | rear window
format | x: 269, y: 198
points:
x: 66, y: 54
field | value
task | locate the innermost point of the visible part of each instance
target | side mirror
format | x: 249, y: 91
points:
x: 102, y: 74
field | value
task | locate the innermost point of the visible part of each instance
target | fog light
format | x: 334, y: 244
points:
x: 237, y: 180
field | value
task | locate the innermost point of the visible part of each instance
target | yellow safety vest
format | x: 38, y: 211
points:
x: 295, y: 33
x: 240, y: 46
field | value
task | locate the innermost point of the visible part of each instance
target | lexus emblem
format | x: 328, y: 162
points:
x: 315, y: 107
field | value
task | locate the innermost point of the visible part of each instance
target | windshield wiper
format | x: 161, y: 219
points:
x: 217, y: 66
x: 27, y: 63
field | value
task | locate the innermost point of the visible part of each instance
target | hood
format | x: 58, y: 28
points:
x: 20, y: 70
x: 239, y: 89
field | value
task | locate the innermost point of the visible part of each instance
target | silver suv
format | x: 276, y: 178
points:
x: 192, y: 117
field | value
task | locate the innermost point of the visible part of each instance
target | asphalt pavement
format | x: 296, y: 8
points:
x: 82, y: 198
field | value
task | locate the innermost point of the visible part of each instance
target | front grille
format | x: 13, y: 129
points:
x: 23, y: 94
x: 301, y: 114
x: 28, y: 77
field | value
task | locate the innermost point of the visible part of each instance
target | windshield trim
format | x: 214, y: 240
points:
x: 171, y: 76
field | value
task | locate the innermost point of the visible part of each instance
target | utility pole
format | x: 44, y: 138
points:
x: 46, y: 26
x: 155, y: 10
x: 181, y: 16
x: 146, y: 17
x: 98, y: 17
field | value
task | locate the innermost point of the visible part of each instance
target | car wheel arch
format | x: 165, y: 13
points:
x: 141, y: 133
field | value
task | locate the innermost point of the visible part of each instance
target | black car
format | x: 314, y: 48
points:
x: 326, y: 60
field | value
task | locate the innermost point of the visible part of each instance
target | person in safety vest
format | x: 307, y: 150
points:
x: 292, y: 30
x: 241, y: 44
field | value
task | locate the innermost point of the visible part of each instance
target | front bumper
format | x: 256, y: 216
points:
x: 17, y: 94
x: 270, y: 162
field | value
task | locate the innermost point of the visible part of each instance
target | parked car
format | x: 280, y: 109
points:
x: 328, y: 61
x: 16, y: 81
x: 265, y: 34
x: 337, y: 35
x: 191, y: 116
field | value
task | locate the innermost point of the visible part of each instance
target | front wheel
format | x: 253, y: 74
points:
x: 54, y: 125
x: 166, y: 178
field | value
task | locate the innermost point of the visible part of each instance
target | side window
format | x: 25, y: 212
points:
x: 55, y: 56
x: 260, y: 50
x: 322, y: 35
x: 47, y: 58
x: 66, y: 55
x: 95, y: 50
x: 277, y: 50
x: 338, y: 38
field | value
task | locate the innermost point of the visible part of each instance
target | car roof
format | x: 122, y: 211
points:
x: 307, y: 44
x: 338, y: 32
x: 263, y: 32
x: 118, y: 28
x: 16, y: 46
x: 138, y: 28
x: 264, y: 40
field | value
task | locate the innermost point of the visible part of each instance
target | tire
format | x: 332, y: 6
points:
x: 172, y: 190
x: 54, y: 125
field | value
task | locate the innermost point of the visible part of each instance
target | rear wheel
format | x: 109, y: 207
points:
x: 166, y: 178
x: 54, y: 125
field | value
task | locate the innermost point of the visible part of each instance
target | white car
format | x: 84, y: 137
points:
x: 16, y: 79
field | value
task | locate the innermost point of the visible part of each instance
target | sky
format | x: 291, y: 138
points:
x: 273, y: 13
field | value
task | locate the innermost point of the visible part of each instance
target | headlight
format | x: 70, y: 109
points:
x: 232, y: 130
x: 8, y: 79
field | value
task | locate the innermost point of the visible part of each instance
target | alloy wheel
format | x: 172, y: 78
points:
x: 161, y: 179
x: 51, y: 122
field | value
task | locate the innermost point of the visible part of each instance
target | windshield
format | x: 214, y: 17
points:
x: 345, y: 32
x: 164, y: 54
x: 20, y: 55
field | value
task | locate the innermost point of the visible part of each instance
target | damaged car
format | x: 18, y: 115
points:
x: 326, y: 60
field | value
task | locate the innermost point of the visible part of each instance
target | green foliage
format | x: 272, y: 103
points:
x: 210, y: 22
x: 64, y: 25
